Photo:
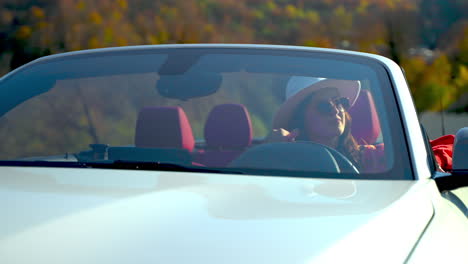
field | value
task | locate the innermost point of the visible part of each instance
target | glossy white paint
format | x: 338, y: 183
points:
x: 445, y: 239
x: 56, y: 215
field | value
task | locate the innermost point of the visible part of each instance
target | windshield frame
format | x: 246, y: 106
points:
x: 401, y: 166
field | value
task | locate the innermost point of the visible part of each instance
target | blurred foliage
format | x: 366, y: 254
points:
x: 429, y: 38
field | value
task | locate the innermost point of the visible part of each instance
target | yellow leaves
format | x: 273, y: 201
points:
x: 290, y: 10
x: 399, y: 4
x: 431, y: 83
x: 345, y: 18
x: 309, y: 43
x: 341, y: 22
x: 362, y: 8
x: 414, y: 67
x: 209, y: 28
x: 463, y: 75
x: 120, y: 41
x: 340, y: 11
x: 312, y: 16
x: 390, y: 4
x: 95, y: 18
x: 152, y: 39
x: 94, y: 43
x: 162, y: 29
x: 117, y: 15
x: 159, y: 22
x: 318, y: 42
x: 42, y: 25
x: 108, y: 35
x: 169, y: 12
x: 293, y: 12
x: 122, y: 4
x: 440, y: 71
x: 37, y: 12
x: 23, y: 32
x: 81, y: 5
x: 163, y: 36
x: 258, y: 14
x: 74, y: 46
x: 271, y: 6
x: 462, y: 79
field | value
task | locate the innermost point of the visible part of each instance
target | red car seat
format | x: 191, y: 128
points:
x: 228, y: 132
x: 162, y: 134
x: 164, y: 127
x: 365, y: 126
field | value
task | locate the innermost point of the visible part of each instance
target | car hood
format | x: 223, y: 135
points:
x: 60, y: 215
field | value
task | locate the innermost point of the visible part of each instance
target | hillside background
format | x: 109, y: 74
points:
x: 428, y: 38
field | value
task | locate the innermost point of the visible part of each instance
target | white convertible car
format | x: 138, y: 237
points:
x: 227, y: 153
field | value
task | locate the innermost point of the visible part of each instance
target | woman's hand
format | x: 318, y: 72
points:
x: 282, y: 135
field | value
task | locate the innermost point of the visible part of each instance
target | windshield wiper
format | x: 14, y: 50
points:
x: 163, y: 166
x: 41, y: 163
x: 119, y: 164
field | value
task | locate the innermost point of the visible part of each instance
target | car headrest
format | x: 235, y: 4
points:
x: 164, y: 127
x: 365, y: 126
x: 228, y: 126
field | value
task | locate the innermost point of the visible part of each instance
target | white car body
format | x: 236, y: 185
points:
x: 65, y: 215
x: 71, y: 215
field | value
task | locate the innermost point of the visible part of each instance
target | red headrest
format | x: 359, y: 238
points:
x: 228, y: 126
x: 163, y: 127
x: 365, y: 121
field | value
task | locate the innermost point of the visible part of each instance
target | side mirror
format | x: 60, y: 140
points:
x: 459, y: 176
x: 460, y: 152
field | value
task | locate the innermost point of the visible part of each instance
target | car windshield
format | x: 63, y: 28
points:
x: 265, y: 111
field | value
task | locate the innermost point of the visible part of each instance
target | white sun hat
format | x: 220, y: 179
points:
x: 300, y: 87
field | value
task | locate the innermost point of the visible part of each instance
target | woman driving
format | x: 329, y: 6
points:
x: 316, y: 110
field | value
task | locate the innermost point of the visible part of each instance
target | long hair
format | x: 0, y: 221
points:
x: 347, y: 145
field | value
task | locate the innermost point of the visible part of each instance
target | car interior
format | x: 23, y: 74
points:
x: 164, y: 134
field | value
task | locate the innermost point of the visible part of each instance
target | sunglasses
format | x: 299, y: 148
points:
x: 328, y: 106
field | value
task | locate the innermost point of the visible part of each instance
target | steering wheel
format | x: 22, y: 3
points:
x: 300, y: 155
x: 343, y: 162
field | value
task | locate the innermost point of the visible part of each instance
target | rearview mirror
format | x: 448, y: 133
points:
x: 188, y: 86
